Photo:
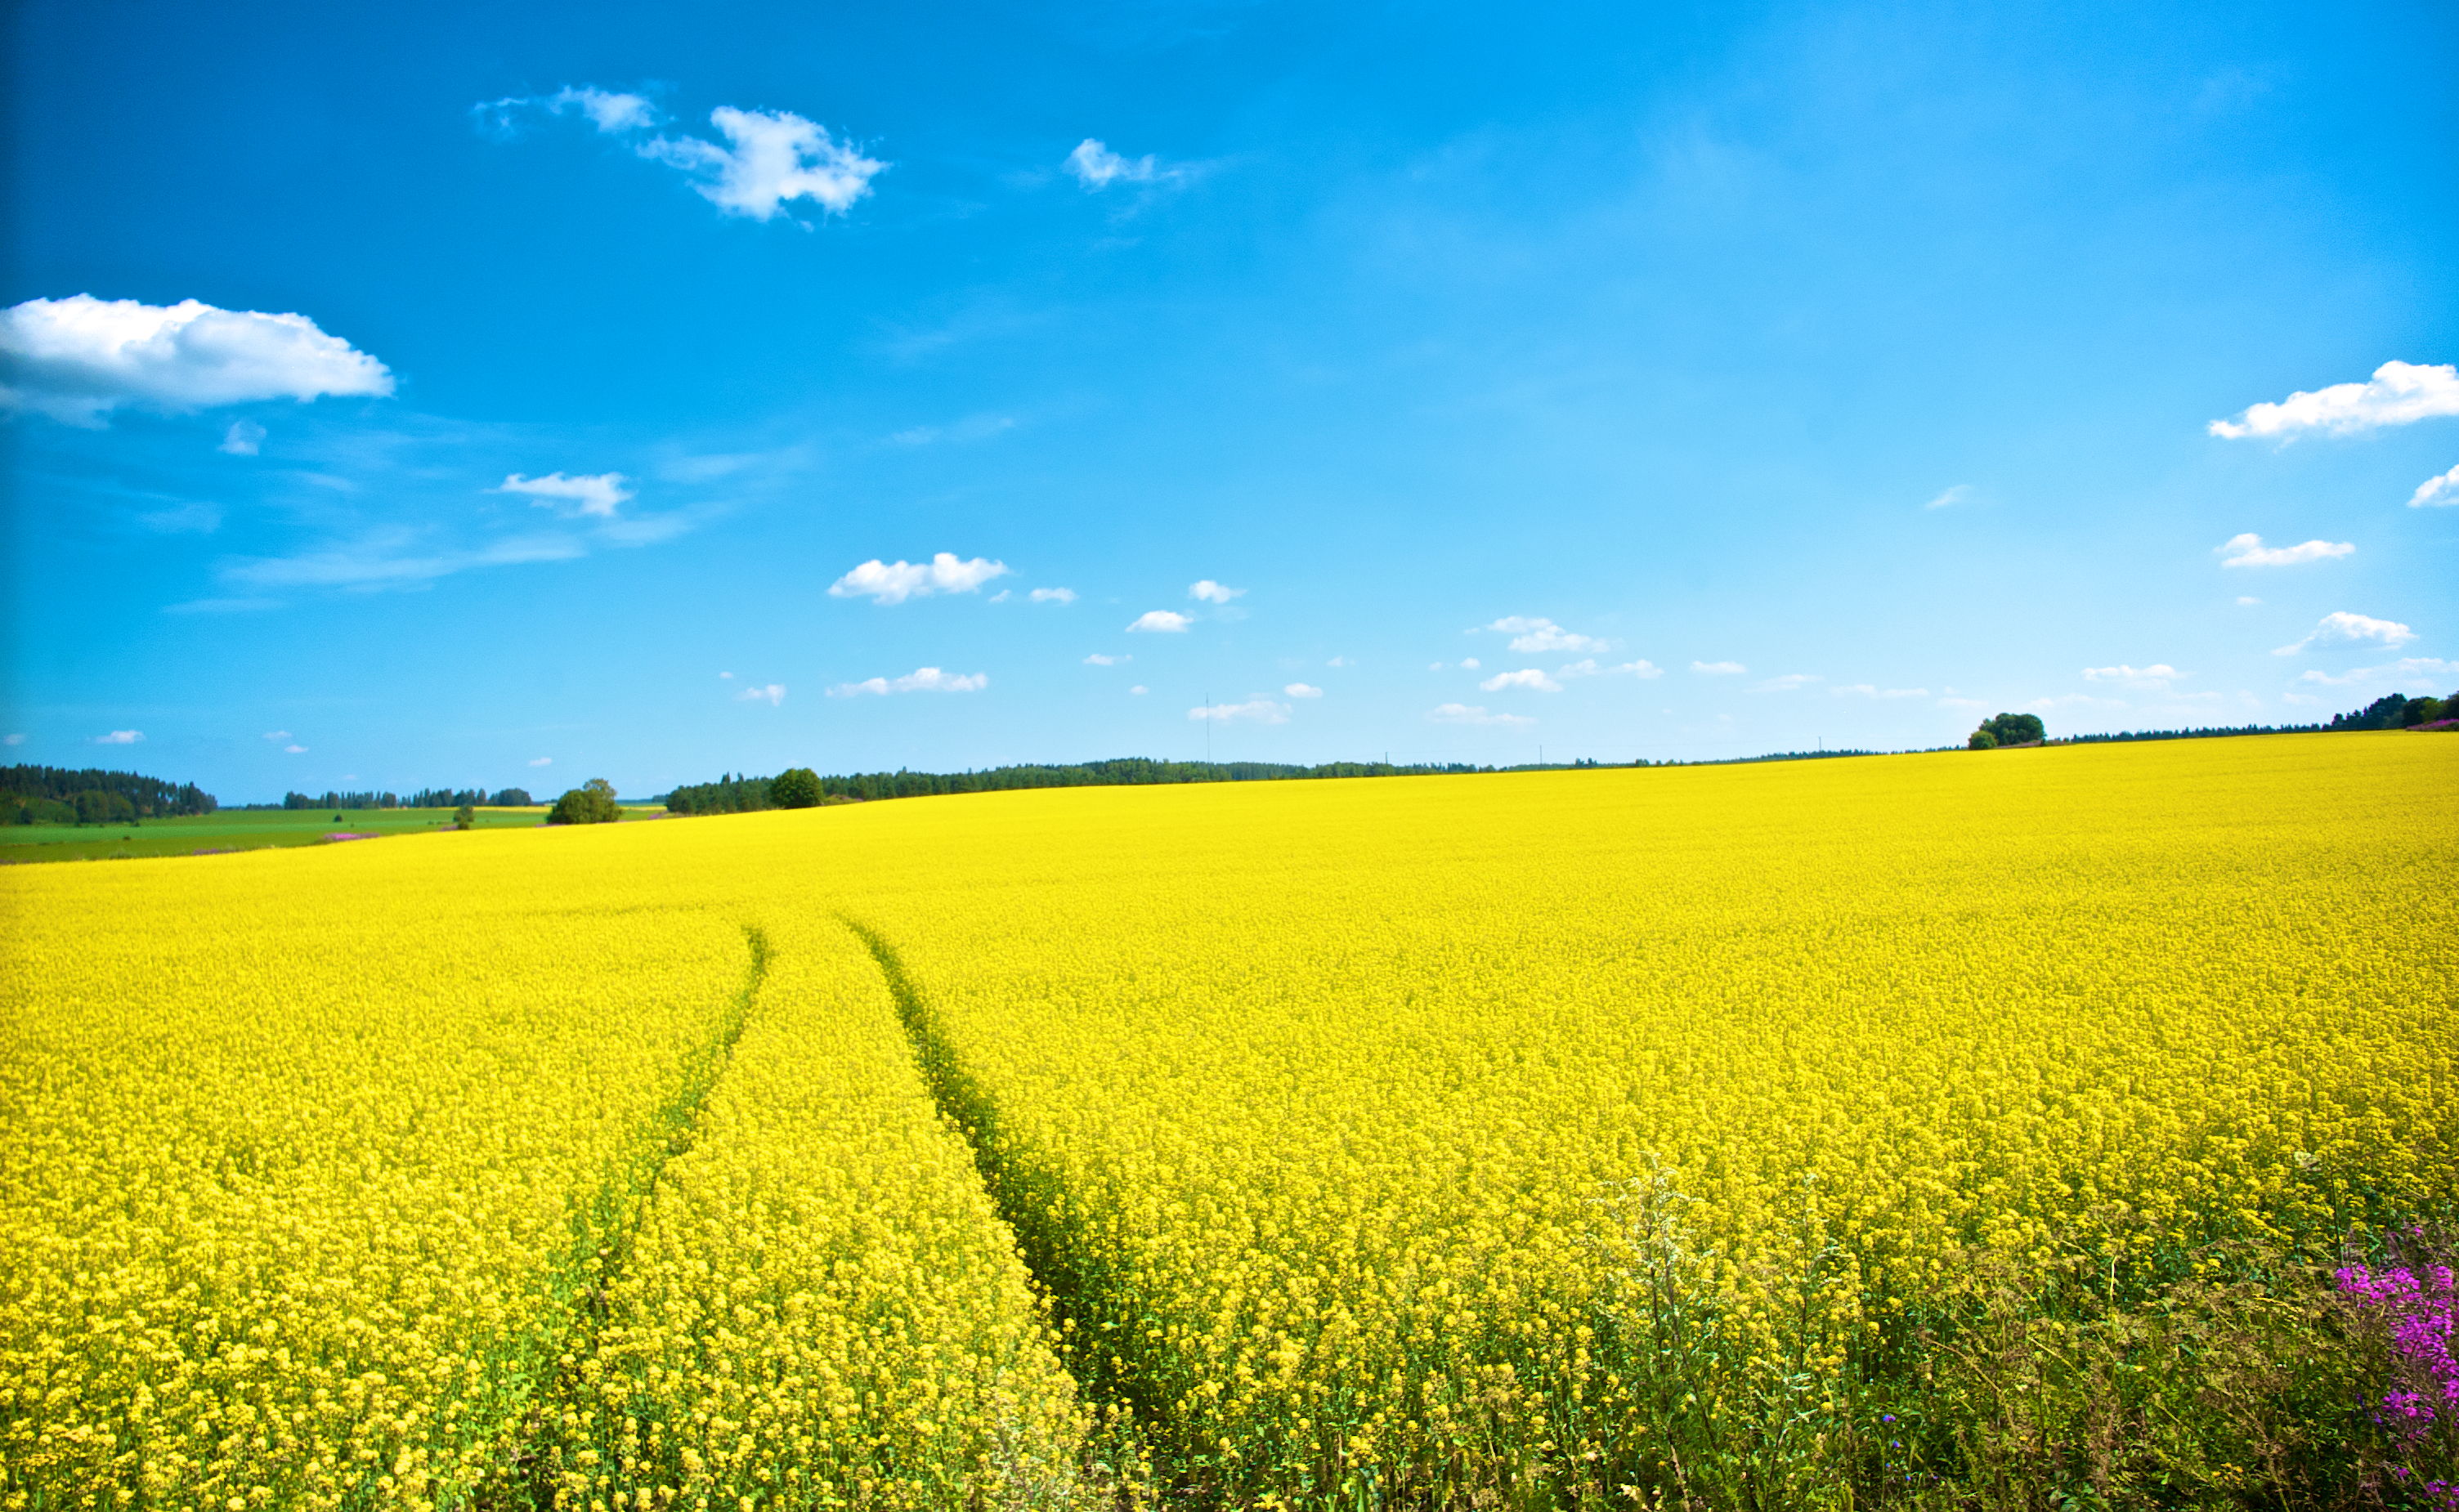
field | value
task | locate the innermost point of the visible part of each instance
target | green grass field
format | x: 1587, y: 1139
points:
x: 246, y: 829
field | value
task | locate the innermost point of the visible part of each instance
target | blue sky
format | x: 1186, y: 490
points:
x: 676, y: 392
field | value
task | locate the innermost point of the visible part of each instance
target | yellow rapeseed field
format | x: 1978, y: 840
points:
x: 1370, y: 1142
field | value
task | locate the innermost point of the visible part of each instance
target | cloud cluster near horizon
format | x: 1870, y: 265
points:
x: 921, y: 679
x: 588, y: 493
x: 1260, y: 710
x: 2334, y: 628
x: 2248, y: 551
x: 78, y: 359
x: 2397, y: 393
x: 1476, y: 714
x: 893, y: 582
x: 769, y: 157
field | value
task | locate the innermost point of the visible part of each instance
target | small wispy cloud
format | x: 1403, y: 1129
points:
x: 1211, y: 592
x: 2247, y: 600
x: 893, y: 582
x: 1303, y: 690
x: 1873, y: 690
x: 2336, y: 628
x: 921, y: 679
x: 2441, y: 490
x: 1057, y: 596
x: 1718, y: 668
x: 1096, y: 167
x: 588, y: 493
x: 1163, y: 622
x: 1535, y: 636
x: 770, y: 158
x: 2248, y: 551
x: 243, y: 438
x: 1526, y: 678
x: 1588, y: 666
x: 2398, y: 394
x: 2153, y: 678
x: 120, y: 738
x: 541, y: 761
x: 1475, y: 714
x: 1951, y: 498
x: 1260, y: 711
x: 2421, y: 673
x: 1103, y: 658
x: 12, y: 740
x: 773, y: 694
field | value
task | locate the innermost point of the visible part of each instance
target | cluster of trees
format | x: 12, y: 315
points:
x: 2009, y: 729
x: 423, y: 798
x: 593, y: 802
x: 91, y: 795
x: 738, y: 794
x: 2398, y: 711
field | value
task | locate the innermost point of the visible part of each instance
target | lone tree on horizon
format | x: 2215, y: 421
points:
x: 2009, y: 729
x: 795, y: 788
x: 593, y: 802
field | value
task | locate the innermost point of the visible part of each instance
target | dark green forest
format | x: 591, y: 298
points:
x: 740, y: 794
x: 58, y: 795
x: 423, y: 798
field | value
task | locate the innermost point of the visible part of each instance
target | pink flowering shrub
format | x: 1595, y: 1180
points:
x: 2404, y: 1305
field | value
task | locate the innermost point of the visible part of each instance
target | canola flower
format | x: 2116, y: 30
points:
x: 1399, y: 1142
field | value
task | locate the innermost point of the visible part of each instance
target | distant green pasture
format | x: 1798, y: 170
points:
x: 248, y: 829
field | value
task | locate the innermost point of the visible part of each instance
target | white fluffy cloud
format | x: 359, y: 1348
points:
x: 1096, y: 167
x: 921, y: 679
x: 1211, y: 592
x: 2397, y: 393
x: 2425, y: 674
x: 771, y: 156
x: 120, y: 738
x: 586, y: 494
x: 1535, y: 636
x: 1099, y: 659
x: 1303, y: 690
x: 610, y: 111
x: 1261, y: 711
x: 1059, y: 595
x: 1525, y: 678
x: 2441, y: 489
x: 773, y: 695
x: 2248, y: 551
x: 78, y: 359
x: 895, y: 582
x: 1718, y: 668
x: 2153, y: 678
x: 1163, y: 620
x: 2334, y: 628
x: 1475, y: 714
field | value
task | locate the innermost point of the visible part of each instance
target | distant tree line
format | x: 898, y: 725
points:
x: 2398, y: 711
x: 59, y: 796
x: 423, y: 798
x: 741, y: 794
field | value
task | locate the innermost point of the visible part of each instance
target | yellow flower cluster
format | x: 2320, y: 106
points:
x: 1369, y: 1141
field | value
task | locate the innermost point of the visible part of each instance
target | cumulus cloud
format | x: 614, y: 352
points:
x: 243, y: 438
x: 774, y: 695
x: 1059, y: 595
x: 892, y: 583
x: 1525, y: 678
x: 770, y: 156
x: 1099, y: 659
x: 1785, y: 683
x: 1467, y: 664
x: 2441, y: 490
x: 294, y: 751
x: 1535, y: 636
x: 2398, y: 394
x: 1873, y: 690
x: 586, y: 494
x: 120, y: 738
x: 2425, y: 674
x: 1162, y: 621
x: 79, y: 358
x: 2334, y: 628
x: 921, y: 679
x: 1096, y: 167
x: 1475, y: 714
x: 1718, y: 668
x: 1261, y: 711
x: 611, y: 112
x: 2153, y: 678
x: 1951, y: 498
x: 541, y: 761
x: 1303, y: 690
x: 1211, y: 592
x: 2248, y: 551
